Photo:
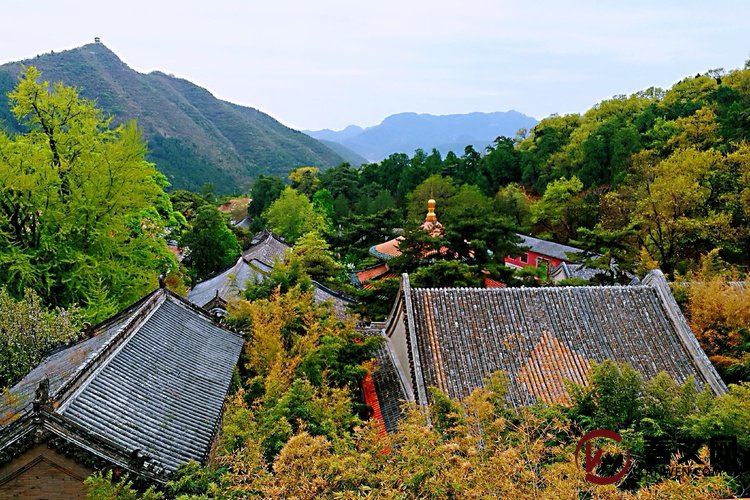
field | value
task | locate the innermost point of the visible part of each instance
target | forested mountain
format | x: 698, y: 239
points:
x: 406, y: 132
x: 347, y: 154
x: 193, y: 137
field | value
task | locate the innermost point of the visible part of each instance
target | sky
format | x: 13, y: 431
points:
x: 331, y: 63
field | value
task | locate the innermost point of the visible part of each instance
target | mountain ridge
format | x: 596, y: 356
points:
x: 405, y: 132
x: 193, y: 137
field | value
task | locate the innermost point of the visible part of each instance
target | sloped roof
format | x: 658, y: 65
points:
x: 152, y: 379
x: 567, y: 270
x: 359, y: 278
x: 543, y: 336
x: 323, y: 294
x: 244, y: 223
x: 267, y: 248
x: 230, y: 283
x: 388, y: 249
x: 389, y: 387
x: 549, y: 248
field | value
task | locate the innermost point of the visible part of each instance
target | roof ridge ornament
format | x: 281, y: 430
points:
x: 42, y: 399
x: 431, y: 216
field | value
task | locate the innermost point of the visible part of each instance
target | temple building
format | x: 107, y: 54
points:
x: 557, y: 258
x: 141, y: 395
x: 454, y: 338
x: 389, y: 249
x: 255, y: 264
x: 541, y: 253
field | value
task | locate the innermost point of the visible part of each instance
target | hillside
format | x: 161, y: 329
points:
x: 193, y: 137
x: 347, y: 154
x: 406, y: 132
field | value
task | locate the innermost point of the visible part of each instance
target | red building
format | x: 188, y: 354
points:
x: 541, y: 253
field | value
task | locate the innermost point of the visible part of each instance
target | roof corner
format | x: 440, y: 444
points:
x: 655, y: 279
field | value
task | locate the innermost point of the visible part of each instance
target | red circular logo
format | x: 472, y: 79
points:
x: 594, y: 458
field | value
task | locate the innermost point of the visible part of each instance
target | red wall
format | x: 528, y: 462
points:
x: 531, y: 260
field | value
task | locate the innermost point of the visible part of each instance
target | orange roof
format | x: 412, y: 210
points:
x: 385, y: 276
x: 390, y: 247
x: 490, y: 283
x: 371, y: 399
x: 372, y: 273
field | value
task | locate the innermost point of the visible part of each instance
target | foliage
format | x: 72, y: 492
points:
x: 512, y: 201
x: 356, y: 234
x: 446, y: 273
x: 81, y: 211
x: 293, y: 215
x: 726, y: 415
x: 187, y: 202
x: 103, y: 486
x: 265, y: 191
x: 717, y: 307
x: 213, y: 246
x: 28, y: 331
x: 611, y: 253
x: 375, y: 301
x: 475, y: 448
x: 305, y: 180
x: 316, y: 259
x: 284, y: 276
x: 561, y: 209
x: 300, y: 368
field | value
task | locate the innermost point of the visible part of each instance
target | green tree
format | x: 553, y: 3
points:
x: 562, y: 208
x: 72, y: 188
x: 187, y: 202
x: 292, y: 215
x: 316, y: 259
x: 512, y: 202
x: 446, y: 273
x: 323, y: 204
x: 435, y: 187
x: 611, y: 253
x: 670, y: 206
x: 28, y: 331
x: 305, y: 180
x: 213, y: 246
x: 265, y: 191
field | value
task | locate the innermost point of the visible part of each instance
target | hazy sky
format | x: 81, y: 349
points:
x: 328, y: 63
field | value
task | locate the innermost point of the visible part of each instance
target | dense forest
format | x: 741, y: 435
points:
x: 656, y: 179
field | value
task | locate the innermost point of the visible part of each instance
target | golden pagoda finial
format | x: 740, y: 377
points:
x: 431, y: 217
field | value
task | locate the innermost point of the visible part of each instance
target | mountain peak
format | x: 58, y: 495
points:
x: 193, y: 137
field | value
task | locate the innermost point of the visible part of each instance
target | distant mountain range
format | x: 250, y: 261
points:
x: 406, y: 132
x: 193, y: 137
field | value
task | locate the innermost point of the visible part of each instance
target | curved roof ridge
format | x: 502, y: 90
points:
x: 508, y: 289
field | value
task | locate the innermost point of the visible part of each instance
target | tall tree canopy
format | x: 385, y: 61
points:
x: 293, y: 215
x: 72, y: 192
x: 213, y: 246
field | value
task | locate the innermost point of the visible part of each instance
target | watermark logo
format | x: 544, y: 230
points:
x: 593, y: 457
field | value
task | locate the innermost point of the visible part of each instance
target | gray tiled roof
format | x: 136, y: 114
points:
x: 339, y: 302
x: 549, y: 248
x: 257, y: 261
x: 543, y: 336
x: 388, y: 387
x: 267, y: 248
x: 60, y: 367
x: 230, y: 283
x: 154, y: 380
